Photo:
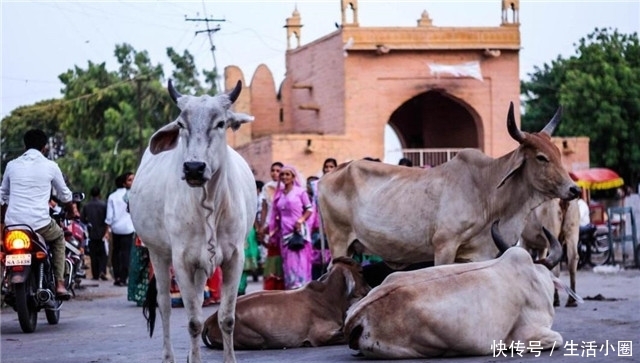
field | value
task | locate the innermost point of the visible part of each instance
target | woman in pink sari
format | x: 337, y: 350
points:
x: 290, y: 211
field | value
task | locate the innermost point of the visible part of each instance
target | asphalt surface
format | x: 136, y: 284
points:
x: 100, y: 325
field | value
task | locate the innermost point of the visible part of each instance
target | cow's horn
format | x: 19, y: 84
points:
x: 555, y: 251
x: 173, y: 93
x: 555, y: 120
x: 233, y: 95
x: 497, y: 238
x: 514, y: 131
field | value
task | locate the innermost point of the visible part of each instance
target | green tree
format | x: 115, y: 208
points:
x: 44, y: 115
x: 105, y: 118
x: 599, y: 89
x: 111, y: 115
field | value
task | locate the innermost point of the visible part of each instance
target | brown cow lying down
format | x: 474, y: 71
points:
x: 310, y: 316
x: 460, y: 309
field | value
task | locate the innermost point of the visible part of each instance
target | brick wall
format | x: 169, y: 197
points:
x: 264, y: 104
x: 357, y: 94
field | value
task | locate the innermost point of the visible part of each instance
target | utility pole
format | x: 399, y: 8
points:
x: 210, y: 31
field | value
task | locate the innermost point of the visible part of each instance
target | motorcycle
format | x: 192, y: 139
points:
x: 75, y: 236
x: 593, y: 246
x: 28, y: 281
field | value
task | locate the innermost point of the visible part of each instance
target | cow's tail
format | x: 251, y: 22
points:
x: 150, y: 304
x: 206, y: 338
x: 559, y: 285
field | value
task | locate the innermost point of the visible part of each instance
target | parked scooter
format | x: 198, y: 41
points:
x: 593, y: 247
x: 28, y: 281
x: 76, y: 236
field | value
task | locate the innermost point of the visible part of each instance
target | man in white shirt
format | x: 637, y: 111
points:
x: 585, y: 218
x: 120, y: 226
x: 25, y: 192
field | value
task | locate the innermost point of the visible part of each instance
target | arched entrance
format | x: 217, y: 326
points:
x: 433, y: 126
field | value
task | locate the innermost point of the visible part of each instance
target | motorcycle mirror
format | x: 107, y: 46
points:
x: 78, y: 197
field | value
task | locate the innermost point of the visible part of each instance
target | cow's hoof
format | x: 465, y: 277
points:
x: 571, y: 304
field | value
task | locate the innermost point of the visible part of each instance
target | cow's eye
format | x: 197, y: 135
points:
x: 220, y: 125
x: 180, y: 124
x: 542, y: 158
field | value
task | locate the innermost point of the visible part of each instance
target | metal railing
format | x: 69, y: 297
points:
x: 431, y: 157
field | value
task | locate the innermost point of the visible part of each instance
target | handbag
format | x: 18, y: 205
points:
x: 294, y: 241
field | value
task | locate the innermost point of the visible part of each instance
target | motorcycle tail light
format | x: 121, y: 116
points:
x: 17, y: 240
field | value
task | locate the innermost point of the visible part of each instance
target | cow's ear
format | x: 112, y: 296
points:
x: 515, y: 163
x: 164, y: 139
x: 237, y: 119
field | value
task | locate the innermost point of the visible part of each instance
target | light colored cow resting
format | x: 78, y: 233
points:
x: 192, y: 203
x: 442, y: 214
x: 310, y: 316
x: 562, y: 219
x: 458, y: 309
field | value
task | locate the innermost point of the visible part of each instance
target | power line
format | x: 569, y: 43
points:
x: 61, y: 101
x: 210, y: 31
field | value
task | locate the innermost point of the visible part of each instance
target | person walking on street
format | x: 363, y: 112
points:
x: 25, y: 193
x: 290, y: 210
x: 120, y: 227
x: 320, y: 256
x: 272, y: 274
x: 94, y: 214
x: 251, y: 246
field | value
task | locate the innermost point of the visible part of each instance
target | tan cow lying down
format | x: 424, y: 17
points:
x: 459, y: 309
x: 310, y: 316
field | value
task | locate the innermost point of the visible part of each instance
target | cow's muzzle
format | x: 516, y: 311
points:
x: 194, y: 173
x: 574, y: 192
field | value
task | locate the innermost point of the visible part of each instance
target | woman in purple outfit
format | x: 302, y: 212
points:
x: 291, y: 209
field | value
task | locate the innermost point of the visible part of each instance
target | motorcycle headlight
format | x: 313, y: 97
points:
x: 17, y: 240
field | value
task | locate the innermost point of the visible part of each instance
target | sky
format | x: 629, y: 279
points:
x: 42, y: 39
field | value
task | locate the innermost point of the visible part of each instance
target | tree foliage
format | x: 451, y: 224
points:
x: 599, y: 89
x: 105, y: 117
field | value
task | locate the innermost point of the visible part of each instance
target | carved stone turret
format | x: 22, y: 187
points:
x: 512, y: 6
x: 425, y: 20
x: 346, y: 6
x: 294, y: 26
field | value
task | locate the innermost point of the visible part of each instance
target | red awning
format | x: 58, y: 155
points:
x: 597, y: 178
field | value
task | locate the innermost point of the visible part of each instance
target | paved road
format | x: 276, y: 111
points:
x: 100, y: 325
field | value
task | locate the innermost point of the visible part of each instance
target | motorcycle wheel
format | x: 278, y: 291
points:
x: 600, y: 251
x: 27, y: 313
x: 53, y: 315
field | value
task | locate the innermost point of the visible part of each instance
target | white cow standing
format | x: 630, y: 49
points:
x: 193, y: 203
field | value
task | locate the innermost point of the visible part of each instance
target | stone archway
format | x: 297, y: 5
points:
x: 436, y: 120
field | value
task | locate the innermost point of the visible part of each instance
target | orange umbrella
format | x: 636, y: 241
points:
x: 596, y: 178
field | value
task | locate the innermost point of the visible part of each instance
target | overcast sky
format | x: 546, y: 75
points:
x: 41, y: 40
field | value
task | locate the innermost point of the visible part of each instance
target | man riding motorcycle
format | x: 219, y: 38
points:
x: 24, y: 193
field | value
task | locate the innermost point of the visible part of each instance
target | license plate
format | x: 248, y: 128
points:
x: 18, y: 260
